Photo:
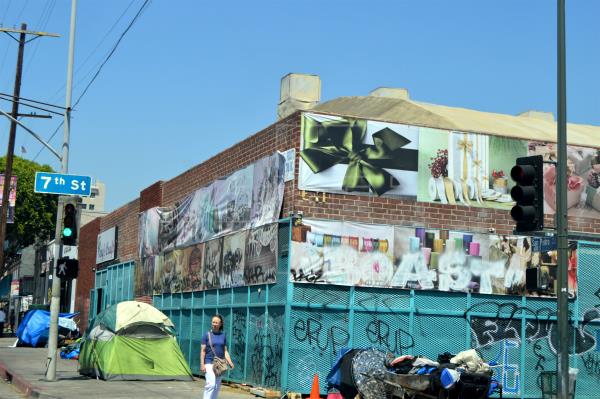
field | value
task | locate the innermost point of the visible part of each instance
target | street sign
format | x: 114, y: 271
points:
x: 544, y: 244
x: 58, y: 183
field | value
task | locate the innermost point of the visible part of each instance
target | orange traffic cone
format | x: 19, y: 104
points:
x: 314, y: 392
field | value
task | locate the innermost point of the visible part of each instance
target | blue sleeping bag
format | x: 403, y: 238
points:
x: 34, y: 329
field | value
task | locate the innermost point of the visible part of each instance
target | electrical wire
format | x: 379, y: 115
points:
x: 108, y: 57
x: 31, y: 101
x: 89, y: 56
x: 6, y: 11
x: 50, y: 138
x: 22, y: 9
x: 42, y: 23
x: 116, y: 45
x: 30, y: 106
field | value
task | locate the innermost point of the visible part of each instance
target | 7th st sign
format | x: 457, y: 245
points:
x: 63, y: 184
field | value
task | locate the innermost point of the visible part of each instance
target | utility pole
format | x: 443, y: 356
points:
x: 64, y: 168
x: 561, y: 209
x: 23, y: 32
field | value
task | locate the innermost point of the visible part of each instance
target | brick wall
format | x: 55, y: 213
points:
x: 151, y: 196
x: 126, y: 218
x: 280, y: 136
x: 88, y: 235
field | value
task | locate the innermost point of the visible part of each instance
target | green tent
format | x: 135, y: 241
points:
x: 132, y: 341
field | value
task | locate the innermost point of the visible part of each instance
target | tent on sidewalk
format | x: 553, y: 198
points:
x: 34, y: 329
x: 132, y: 341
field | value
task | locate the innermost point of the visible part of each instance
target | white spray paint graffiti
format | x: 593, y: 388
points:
x: 509, y: 372
x: 457, y: 271
x: 413, y: 268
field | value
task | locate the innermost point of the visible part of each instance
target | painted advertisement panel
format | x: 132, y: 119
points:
x: 345, y: 253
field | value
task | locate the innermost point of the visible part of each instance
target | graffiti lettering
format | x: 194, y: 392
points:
x: 311, y: 276
x: 311, y: 330
x: 378, y: 333
x: 238, y: 334
x: 591, y: 362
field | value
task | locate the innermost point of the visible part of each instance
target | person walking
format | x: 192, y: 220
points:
x: 214, y: 345
x: 2, y: 320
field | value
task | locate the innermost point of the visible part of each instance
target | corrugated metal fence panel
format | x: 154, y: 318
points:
x: 237, y: 342
x: 587, y: 346
x: 516, y: 334
x: 254, y: 323
x: 116, y: 285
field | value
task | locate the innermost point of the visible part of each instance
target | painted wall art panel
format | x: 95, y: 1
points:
x: 357, y: 156
x: 343, y: 253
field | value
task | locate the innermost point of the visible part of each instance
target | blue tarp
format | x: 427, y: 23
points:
x: 34, y: 328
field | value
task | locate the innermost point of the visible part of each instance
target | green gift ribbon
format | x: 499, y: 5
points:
x: 330, y: 143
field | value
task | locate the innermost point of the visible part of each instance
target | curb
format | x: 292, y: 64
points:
x: 22, y: 384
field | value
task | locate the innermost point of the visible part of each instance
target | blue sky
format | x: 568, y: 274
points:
x: 192, y: 77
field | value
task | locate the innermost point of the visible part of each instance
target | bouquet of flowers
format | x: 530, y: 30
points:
x: 439, y: 164
x: 497, y: 174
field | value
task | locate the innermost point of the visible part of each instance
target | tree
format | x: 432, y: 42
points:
x: 35, y: 214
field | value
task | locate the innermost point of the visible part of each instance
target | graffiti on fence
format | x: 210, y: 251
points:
x: 274, y: 350
x: 311, y: 330
x: 591, y: 363
x: 238, y: 336
x: 508, y: 373
x: 506, y: 324
x: 397, y: 340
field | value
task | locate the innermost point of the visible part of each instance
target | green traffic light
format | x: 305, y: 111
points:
x: 67, y: 232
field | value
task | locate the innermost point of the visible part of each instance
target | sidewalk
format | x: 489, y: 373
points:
x: 26, y: 368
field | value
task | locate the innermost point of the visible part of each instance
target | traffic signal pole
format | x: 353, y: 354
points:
x: 561, y: 210
x: 64, y: 168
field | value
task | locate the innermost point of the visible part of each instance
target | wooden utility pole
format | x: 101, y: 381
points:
x: 23, y: 32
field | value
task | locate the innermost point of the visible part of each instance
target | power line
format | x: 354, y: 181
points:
x: 89, y: 56
x: 30, y: 106
x: 135, y: 18
x: 31, y: 101
x: 110, y: 54
x: 42, y: 24
x: 50, y: 138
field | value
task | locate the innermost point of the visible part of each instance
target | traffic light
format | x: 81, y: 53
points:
x: 69, y: 228
x: 528, y: 193
x: 67, y: 269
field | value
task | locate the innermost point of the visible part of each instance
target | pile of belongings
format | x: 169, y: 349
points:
x: 366, y: 371
x: 71, y: 351
x: 464, y: 376
x: 35, y: 327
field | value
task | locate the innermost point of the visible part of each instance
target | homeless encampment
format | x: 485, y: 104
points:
x: 132, y: 341
x: 34, y: 329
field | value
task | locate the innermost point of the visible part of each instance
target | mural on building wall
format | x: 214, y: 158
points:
x: 248, y: 198
x: 358, y: 156
x: 248, y: 257
x: 267, y: 193
x: 192, y: 271
x: 148, y: 233
x: 144, y: 275
x: 583, y: 179
x: 261, y: 255
x: 213, y: 257
x: 346, y: 155
x: 467, y: 169
x: 346, y: 253
x: 231, y: 273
